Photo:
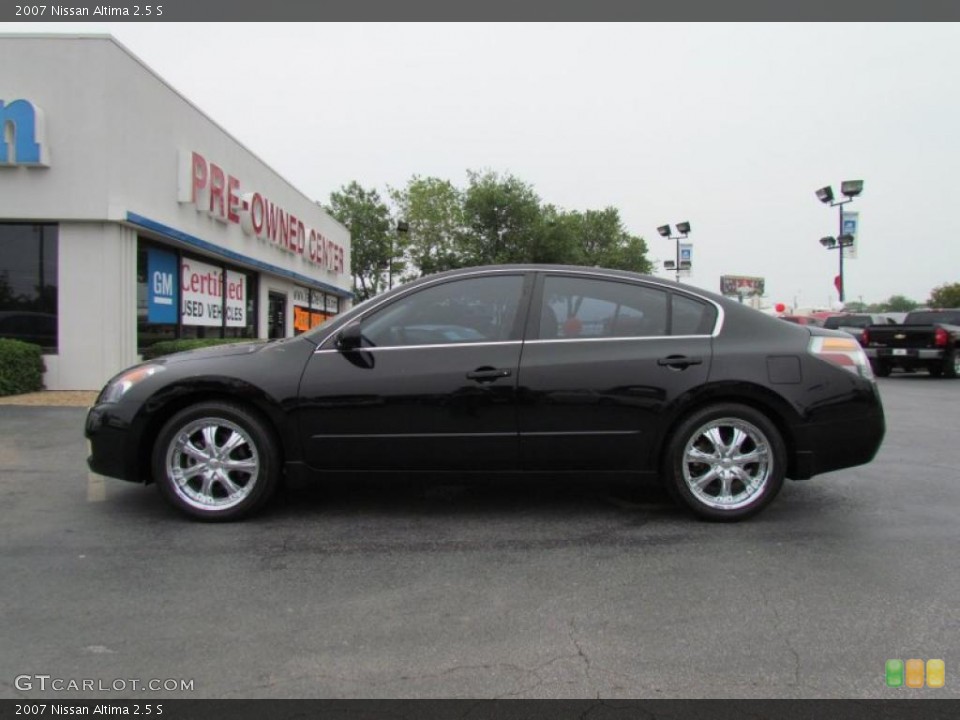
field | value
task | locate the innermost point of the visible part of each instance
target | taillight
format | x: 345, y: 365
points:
x: 940, y: 337
x: 865, y: 337
x: 844, y: 352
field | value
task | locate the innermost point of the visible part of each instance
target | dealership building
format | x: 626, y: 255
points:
x: 127, y: 216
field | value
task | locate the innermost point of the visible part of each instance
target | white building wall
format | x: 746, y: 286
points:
x: 97, y: 317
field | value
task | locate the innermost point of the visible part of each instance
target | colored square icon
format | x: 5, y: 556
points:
x: 936, y: 673
x: 894, y: 673
x: 914, y: 673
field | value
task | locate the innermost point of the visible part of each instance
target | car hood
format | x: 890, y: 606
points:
x: 219, y: 351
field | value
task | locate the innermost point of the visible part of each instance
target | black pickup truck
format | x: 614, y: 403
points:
x: 927, y: 339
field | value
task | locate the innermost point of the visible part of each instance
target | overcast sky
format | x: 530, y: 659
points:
x: 732, y: 127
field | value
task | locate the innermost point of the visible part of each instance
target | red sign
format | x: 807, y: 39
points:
x: 219, y: 194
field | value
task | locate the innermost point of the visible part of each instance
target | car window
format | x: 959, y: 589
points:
x: 576, y: 307
x: 839, y: 321
x: 463, y: 311
x: 691, y: 317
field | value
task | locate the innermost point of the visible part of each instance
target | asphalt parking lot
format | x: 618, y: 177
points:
x: 469, y: 588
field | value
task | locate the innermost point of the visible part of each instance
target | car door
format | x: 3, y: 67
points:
x: 602, y: 361
x: 432, y: 385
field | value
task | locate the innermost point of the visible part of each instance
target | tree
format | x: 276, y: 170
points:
x: 502, y: 218
x: 945, y: 296
x: 373, y: 243
x: 433, y: 210
x: 899, y: 303
x: 602, y: 241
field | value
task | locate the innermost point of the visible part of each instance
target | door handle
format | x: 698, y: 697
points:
x: 679, y: 362
x: 488, y: 374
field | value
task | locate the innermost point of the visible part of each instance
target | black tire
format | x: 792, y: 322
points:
x: 880, y: 368
x: 234, y: 481
x: 935, y: 370
x: 951, y: 364
x: 708, y: 501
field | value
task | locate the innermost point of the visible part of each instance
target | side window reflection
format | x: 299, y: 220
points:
x: 576, y: 307
x: 474, y: 310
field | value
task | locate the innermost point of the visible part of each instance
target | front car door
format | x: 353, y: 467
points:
x: 432, y: 387
x: 604, y: 358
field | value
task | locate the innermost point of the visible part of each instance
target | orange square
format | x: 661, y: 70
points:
x: 915, y: 673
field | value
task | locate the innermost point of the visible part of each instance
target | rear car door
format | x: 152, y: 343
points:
x: 603, y: 359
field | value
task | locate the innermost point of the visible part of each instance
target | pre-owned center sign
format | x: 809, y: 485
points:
x: 212, y: 190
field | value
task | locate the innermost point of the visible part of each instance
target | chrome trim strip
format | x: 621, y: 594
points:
x: 586, y: 432
x: 381, y: 348
x: 611, y: 339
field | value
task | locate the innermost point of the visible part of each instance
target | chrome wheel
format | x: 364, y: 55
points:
x: 726, y: 463
x: 212, y: 464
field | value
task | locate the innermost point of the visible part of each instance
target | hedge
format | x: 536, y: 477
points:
x: 21, y: 367
x: 167, y: 347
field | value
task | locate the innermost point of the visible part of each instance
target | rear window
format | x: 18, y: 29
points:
x: 839, y: 321
x: 951, y: 317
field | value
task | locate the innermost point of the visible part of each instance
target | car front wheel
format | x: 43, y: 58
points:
x: 216, y: 461
x: 726, y: 462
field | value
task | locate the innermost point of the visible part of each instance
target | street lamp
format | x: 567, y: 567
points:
x: 402, y: 227
x: 849, y: 189
x: 683, y: 229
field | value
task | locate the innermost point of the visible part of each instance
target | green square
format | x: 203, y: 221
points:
x: 894, y: 673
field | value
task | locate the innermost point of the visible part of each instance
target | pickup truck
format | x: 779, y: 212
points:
x: 927, y: 339
x: 854, y: 323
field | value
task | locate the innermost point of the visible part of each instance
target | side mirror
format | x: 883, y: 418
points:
x: 350, y: 338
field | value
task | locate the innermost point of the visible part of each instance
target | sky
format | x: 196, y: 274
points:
x: 731, y: 127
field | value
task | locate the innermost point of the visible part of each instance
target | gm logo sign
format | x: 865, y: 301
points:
x: 22, y: 140
x: 161, y: 286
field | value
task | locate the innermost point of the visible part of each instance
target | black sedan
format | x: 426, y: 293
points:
x: 502, y: 370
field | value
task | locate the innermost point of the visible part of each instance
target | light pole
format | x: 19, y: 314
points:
x: 684, y: 230
x: 402, y: 227
x: 849, y: 189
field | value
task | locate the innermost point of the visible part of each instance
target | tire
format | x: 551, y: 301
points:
x: 880, y: 368
x: 951, y: 364
x: 706, y: 443
x: 227, y: 484
x: 935, y: 370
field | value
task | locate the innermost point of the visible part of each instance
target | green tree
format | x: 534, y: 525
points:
x: 374, y: 246
x: 433, y: 210
x: 945, y: 296
x: 502, y: 217
x: 899, y: 303
x: 601, y: 240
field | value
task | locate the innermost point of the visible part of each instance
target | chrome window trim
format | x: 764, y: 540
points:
x: 718, y: 324
x: 381, y: 348
x: 630, y: 338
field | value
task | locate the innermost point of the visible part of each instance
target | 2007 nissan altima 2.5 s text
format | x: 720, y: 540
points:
x: 503, y: 369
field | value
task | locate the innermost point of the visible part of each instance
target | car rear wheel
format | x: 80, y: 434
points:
x: 726, y: 462
x: 935, y: 370
x: 216, y: 461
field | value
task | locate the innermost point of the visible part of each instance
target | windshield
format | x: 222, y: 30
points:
x: 951, y: 317
x: 839, y: 321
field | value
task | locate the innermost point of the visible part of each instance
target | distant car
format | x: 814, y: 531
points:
x: 802, y: 320
x: 927, y: 339
x: 499, y: 370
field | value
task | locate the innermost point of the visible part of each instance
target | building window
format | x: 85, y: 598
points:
x: 181, y: 296
x: 28, y: 283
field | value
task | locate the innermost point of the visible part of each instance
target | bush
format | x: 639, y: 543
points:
x: 21, y: 367
x: 168, y: 347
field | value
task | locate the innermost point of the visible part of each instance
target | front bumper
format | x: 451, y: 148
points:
x: 112, y: 445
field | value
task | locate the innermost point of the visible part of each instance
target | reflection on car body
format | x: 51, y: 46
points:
x: 503, y: 369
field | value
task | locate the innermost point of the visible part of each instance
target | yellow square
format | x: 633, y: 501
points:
x: 936, y: 673
x: 914, y: 673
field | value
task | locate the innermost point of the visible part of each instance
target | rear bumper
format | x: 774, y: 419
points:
x: 900, y: 354
x: 825, y: 446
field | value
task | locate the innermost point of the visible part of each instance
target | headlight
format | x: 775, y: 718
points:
x: 116, y: 389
